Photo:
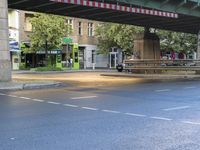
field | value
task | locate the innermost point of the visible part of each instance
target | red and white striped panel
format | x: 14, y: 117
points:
x: 119, y: 8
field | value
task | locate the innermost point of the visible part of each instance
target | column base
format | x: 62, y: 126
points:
x: 5, y: 70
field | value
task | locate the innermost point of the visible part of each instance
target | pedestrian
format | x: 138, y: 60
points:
x: 70, y: 63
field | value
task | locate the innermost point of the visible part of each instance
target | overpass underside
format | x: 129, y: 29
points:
x: 110, y: 11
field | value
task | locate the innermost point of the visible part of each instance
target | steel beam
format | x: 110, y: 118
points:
x: 170, y: 6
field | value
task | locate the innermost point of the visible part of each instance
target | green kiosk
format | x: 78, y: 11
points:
x: 70, y: 51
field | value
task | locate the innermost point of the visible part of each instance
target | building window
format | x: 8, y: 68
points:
x: 70, y: 23
x: 90, y: 29
x: 79, y: 28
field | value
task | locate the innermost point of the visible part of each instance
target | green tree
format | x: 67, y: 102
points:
x: 47, y: 32
x: 116, y: 35
x: 177, y: 41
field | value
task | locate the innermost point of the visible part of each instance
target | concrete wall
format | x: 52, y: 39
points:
x: 101, y: 61
x: 5, y: 65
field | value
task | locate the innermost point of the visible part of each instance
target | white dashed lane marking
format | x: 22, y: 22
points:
x: 70, y: 105
x: 12, y: 138
x: 110, y: 111
x: 55, y: 103
x: 89, y: 108
x: 176, y: 108
x: 24, y: 97
x: 37, y: 100
x: 161, y: 118
x: 190, y: 122
x: 189, y: 87
x: 136, y: 115
x: 12, y: 95
x: 163, y: 90
x: 84, y: 97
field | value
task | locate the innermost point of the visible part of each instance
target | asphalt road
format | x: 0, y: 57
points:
x: 140, y: 116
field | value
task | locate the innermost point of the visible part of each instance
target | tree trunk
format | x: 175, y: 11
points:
x: 46, y: 53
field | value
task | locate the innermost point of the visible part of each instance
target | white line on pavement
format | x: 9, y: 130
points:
x: 133, y: 114
x: 70, y: 105
x: 2, y: 94
x: 111, y: 111
x: 25, y: 97
x: 89, y: 108
x: 12, y: 95
x: 164, y: 90
x: 84, y: 97
x: 12, y: 138
x: 190, y: 122
x: 55, y: 103
x: 161, y: 118
x: 176, y: 108
x: 38, y: 100
x: 189, y: 87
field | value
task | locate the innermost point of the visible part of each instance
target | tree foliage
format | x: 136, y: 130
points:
x: 47, y: 28
x: 122, y: 36
x: 116, y: 35
x: 177, y: 41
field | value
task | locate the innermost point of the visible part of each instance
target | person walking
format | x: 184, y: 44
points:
x: 70, y: 63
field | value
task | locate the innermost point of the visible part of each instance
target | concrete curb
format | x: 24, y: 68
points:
x: 24, y: 86
x: 153, y: 76
x: 54, y: 72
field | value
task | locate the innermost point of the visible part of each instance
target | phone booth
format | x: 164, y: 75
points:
x: 75, y: 56
x: 70, y: 57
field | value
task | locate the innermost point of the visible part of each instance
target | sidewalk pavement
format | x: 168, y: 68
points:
x: 64, y: 71
x: 16, y: 85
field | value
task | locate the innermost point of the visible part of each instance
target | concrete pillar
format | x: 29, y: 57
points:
x: 147, y: 46
x: 198, y: 50
x: 5, y: 64
x: 198, y: 46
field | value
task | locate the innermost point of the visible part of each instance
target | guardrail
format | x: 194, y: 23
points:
x: 150, y: 64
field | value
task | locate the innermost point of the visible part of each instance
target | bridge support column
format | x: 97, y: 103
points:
x: 5, y: 64
x: 198, y: 49
x: 147, y: 45
x: 198, y: 46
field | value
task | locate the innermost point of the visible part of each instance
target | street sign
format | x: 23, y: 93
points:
x: 67, y: 40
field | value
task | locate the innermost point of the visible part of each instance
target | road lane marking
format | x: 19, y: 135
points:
x: 189, y: 87
x: 89, y: 108
x: 84, y: 97
x: 70, y: 105
x: 55, y: 103
x: 176, y: 108
x: 12, y: 138
x: 136, y: 115
x: 164, y: 90
x: 190, y: 122
x: 110, y: 111
x: 2, y: 94
x: 25, y: 97
x: 38, y: 100
x: 12, y: 95
x: 161, y: 118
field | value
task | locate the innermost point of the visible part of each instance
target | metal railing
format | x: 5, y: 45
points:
x: 150, y: 64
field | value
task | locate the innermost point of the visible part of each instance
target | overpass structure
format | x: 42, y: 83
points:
x: 175, y: 15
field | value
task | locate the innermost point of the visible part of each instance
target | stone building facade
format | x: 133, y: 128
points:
x: 83, y: 33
